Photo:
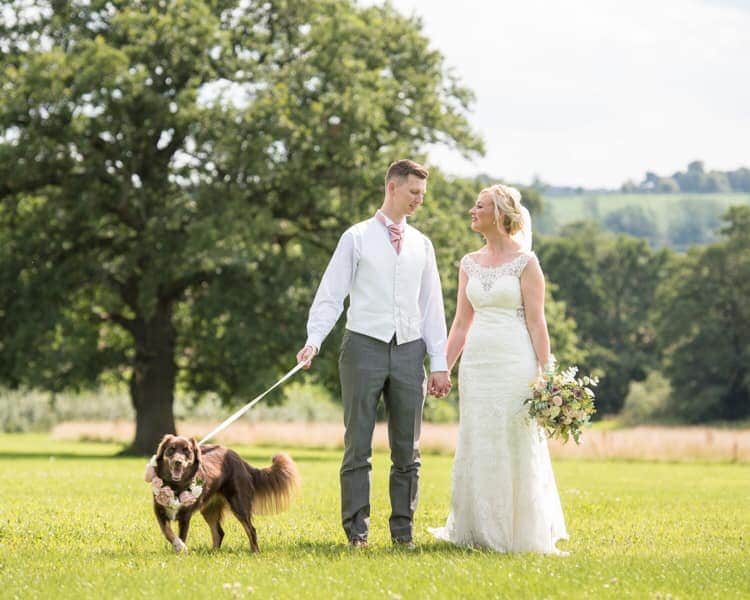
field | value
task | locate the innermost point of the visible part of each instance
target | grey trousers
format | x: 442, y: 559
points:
x: 369, y: 368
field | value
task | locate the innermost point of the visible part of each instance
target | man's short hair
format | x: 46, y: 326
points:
x: 401, y: 169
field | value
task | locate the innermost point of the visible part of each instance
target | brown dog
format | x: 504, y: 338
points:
x: 212, y: 478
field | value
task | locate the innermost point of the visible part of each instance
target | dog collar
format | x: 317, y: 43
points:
x: 173, y: 503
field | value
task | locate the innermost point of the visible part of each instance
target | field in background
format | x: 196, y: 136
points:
x: 577, y: 207
x: 77, y: 523
x: 665, y: 208
x: 637, y: 443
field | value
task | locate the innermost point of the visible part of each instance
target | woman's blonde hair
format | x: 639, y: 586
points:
x: 506, y: 201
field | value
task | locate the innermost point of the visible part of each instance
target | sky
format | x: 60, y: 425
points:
x: 596, y: 92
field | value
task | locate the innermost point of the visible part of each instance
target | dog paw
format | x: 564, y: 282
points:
x: 180, y: 547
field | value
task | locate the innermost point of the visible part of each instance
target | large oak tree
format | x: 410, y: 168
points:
x: 175, y: 173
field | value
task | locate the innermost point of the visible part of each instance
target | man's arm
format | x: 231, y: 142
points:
x: 329, y: 299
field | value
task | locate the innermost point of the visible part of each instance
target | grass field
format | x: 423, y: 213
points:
x: 578, y: 207
x: 75, y: 522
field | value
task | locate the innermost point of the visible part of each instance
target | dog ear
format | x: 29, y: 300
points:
x: 163, y: 445
x: 196, y: 450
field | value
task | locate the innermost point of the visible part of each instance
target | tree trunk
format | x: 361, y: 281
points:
x: 153, y: 380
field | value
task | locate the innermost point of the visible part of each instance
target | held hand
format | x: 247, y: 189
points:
x: 431, y: 384
x: 306, y: 355
x: 448, y: 385
x: 439, y: 384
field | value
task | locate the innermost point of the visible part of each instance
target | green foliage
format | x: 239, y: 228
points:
x: 648, y: 401
x: 564, y: 339
x: 694, y: 223
x: 608, y: 285
x: 24, y: 411
x: 21, y: 413
x: 302, y: 404
x: 441, y: 410
x: 634, y: 221
x: 637, y: 530
x: 703, y: 322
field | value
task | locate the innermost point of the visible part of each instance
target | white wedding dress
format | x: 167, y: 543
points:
x: 504, y: 492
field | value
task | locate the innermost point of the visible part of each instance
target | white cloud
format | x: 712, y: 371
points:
x: 595, y: 92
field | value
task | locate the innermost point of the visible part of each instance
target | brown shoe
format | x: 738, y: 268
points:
x: 358, y: 543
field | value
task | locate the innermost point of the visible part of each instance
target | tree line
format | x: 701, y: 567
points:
x: 640, y: 310
x: 174, y: 177
x: 695, y: 179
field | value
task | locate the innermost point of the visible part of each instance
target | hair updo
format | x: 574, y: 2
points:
x: 506, y: 201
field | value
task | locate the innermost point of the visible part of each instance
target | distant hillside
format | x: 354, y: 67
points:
x: 675, y: 220
x: 693, y: 180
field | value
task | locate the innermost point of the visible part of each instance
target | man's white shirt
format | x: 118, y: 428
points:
x: 389, y: 293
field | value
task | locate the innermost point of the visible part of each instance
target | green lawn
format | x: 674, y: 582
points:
x: 77, y: 523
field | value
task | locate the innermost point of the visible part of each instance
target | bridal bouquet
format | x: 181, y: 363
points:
x: 561, y: 403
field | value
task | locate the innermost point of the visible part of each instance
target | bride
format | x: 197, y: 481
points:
x: 504, y: 493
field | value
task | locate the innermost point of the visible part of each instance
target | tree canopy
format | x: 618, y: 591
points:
x: 608, y: 284
x: 703, y: 321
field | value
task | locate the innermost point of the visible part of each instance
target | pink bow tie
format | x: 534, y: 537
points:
x: 395, y: 231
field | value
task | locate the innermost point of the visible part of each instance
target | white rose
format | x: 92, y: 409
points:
x: 196, y: 490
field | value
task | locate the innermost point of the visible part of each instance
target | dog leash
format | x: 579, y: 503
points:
x: 250, y: 404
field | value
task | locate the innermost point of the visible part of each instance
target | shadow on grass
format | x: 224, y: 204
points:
x: 340, y: 549
x: 257, y: 457
x: 301, y: 550
x: 46, y: 454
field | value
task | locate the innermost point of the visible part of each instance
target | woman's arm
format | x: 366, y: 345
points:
x: 461, y: 322
x: 532, y: 291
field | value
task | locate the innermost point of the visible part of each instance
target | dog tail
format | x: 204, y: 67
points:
x: 275, y: 486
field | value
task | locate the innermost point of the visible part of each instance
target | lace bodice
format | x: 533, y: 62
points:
x: 496, y: 287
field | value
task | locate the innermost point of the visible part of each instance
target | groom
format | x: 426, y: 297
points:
x: 395, y: 317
